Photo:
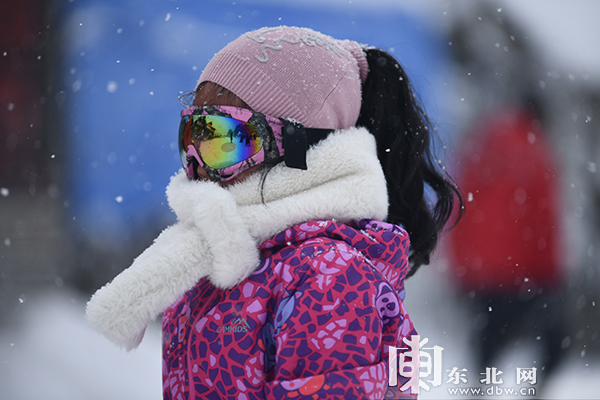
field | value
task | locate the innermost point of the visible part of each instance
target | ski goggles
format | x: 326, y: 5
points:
x: 226, y: 141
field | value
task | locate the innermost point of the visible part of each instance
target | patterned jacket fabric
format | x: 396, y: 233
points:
x: 314, y: 321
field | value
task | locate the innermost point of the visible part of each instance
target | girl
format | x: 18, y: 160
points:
x: 280, y: 277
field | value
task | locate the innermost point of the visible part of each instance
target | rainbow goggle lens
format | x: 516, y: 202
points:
x: 226, y: 141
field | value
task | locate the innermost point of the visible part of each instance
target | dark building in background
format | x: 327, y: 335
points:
x: 23, y: 37
x: 32, y: 243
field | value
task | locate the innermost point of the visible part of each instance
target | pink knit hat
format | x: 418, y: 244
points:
x: 293, y: 73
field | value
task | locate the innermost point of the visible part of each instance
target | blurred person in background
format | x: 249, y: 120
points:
x: 506, y: 253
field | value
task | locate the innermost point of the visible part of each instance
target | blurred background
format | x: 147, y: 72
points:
x: 89, y: 114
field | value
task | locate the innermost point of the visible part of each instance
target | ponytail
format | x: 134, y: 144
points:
x: 401, y: 128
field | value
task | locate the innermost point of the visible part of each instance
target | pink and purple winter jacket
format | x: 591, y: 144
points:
x: 314, y: 321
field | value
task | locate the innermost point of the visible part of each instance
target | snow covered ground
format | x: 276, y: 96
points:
x: 51, y: 353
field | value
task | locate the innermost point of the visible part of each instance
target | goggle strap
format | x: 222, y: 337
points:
x: 296, y: 141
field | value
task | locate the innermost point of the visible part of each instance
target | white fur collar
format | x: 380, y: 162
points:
x: 218, y: 230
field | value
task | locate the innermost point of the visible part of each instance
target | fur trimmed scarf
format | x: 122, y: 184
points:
x: 219, y: 229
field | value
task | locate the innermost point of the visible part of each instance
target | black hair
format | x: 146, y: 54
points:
x: 403, y: 132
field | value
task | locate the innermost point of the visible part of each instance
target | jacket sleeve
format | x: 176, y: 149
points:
x: 332, y: 330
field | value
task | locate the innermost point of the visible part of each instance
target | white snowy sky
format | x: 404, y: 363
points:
x: 567, y: 29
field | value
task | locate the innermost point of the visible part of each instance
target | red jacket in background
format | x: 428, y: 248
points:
x: 509, y: 240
